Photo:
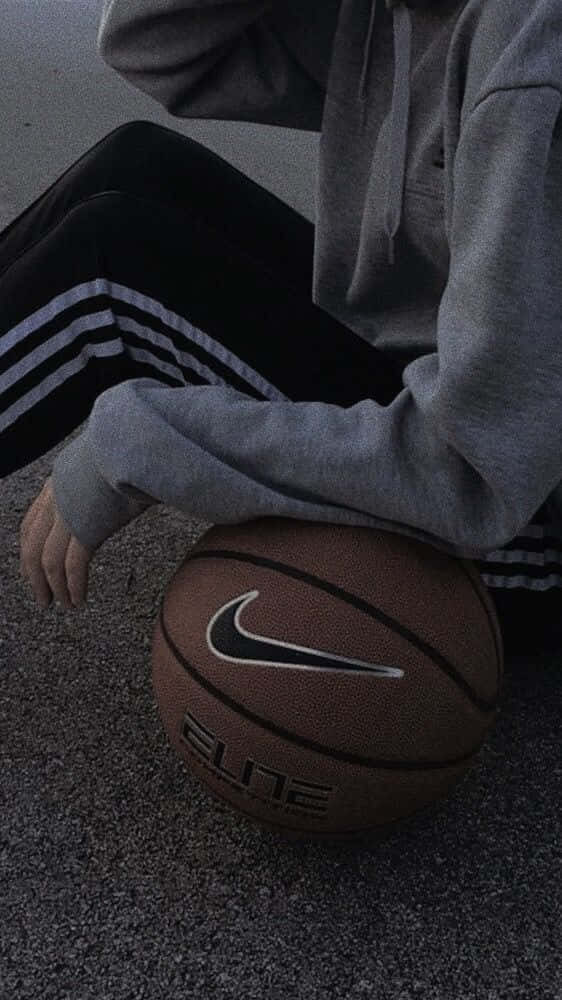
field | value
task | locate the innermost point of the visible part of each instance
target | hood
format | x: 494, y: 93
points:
x: 399, y: 113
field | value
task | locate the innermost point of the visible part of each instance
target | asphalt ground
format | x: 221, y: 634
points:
x: 123, y: 877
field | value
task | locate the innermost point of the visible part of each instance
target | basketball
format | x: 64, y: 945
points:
x: 325, y: 681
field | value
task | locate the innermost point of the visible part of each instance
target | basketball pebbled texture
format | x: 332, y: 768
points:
x: 325, y: 680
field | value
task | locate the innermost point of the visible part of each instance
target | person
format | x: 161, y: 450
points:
x: 395, y: 364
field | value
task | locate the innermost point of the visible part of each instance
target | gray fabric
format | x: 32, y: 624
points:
x: 399, y: 112
x: 458, y: 259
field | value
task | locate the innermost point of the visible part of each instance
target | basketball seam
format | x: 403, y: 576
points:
x: 330, y: 588
x: 374, y: 828
x: 301, y: 741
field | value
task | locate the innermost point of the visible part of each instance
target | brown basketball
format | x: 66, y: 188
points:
x: 326, y: 681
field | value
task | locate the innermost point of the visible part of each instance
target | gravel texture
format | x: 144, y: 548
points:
x: 123, y: 878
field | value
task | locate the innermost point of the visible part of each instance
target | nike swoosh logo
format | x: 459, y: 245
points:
x: 228, y: 639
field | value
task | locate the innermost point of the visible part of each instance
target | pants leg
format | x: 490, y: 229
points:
x: 152, y: 256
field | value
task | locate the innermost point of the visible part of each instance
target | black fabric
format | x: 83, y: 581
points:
x: 156, y: 211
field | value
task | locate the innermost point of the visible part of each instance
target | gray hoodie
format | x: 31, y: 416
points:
x: 438, y: 230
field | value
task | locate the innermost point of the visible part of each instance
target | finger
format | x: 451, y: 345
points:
x: 34, y: 529
x: 76, y: 567
x: 32, y: 552
x: 50, y: 576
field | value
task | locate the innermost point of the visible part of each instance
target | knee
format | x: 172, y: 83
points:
x: 136, y: 134
x: 139, y: 128
x: 127, y: 159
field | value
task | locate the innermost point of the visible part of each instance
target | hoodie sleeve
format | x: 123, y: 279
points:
x: 263, y: 61
x: 464, y: 455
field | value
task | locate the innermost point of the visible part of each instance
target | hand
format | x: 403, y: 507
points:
x: 54, y: 562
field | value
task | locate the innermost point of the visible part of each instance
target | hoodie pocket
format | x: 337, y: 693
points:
x: 424, y: 226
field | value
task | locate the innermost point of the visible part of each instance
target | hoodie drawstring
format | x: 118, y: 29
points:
x: 400, y: 111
